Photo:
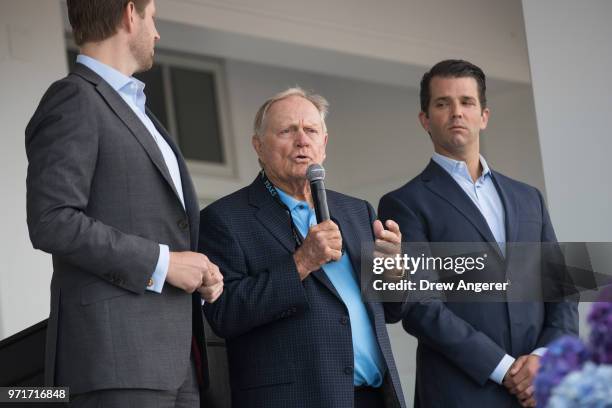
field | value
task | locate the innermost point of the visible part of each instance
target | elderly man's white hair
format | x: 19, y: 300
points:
x: 259, y: 126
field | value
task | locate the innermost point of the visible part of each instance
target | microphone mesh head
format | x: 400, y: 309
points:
x: 315, y: 172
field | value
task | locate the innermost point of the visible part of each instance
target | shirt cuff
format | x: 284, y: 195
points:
x: 502, y: 368
x: 540, y: 351
x: 157, y: 280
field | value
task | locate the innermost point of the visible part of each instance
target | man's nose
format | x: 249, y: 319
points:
x: 301, y: 138
x: 456, y: 110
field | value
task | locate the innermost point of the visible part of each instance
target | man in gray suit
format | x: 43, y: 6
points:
x: 109, y: 196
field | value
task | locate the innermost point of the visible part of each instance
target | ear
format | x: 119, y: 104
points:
x: 325, y: 146
x: 484, y: 120
x: 424, y: 121
x: 129, y: 17
x: 256, y: 143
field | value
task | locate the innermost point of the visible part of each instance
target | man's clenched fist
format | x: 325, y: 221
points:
x: 323, y: 244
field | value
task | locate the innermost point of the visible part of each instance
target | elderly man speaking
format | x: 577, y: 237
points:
x: 298, y: 331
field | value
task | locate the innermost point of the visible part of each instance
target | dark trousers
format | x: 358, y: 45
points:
x: 186, y: 396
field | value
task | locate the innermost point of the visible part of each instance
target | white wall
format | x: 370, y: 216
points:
x: 415, y: 32
x: 570, y: 53
x: 31, y: 57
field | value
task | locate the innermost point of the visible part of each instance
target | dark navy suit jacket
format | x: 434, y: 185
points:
x: 461, y: 343
x: 288, y: 341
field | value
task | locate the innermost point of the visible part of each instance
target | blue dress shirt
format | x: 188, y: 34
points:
x: 484, y: 195
x: 131, y: 91
x: 368, y: 359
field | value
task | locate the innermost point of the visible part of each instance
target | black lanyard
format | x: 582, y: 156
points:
x: 297, y: 237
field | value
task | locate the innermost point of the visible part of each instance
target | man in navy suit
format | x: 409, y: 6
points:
x: 472, y: 354
x: 298, y: 332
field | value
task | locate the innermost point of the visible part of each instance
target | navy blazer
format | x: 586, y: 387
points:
x: 288, y: 341
x: 460, y: 344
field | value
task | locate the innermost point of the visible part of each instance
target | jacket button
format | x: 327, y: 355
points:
x: 348, y: 370
x: 182, y: 224
x: 344, y: 320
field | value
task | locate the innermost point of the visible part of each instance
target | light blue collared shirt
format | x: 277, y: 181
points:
x: 482, y: 193
x: 131, y: 91
x: 486, y: 198
x: 368, y: 359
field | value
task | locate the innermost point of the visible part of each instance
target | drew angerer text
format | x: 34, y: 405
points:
x: 423, y: 284
x: 411, y: 264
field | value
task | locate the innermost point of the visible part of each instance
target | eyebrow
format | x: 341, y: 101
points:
x: 295, y: 122
x: 308, y: 125
x: 447, y: 98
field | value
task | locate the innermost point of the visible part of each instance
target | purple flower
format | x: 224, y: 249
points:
x: 587, y: 388
x: 563, y: 356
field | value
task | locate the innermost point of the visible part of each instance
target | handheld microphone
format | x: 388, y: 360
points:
x: 316, y: 175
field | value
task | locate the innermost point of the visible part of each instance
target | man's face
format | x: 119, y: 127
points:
x: 143, y: 44
x: 455, y: 116
x: 293, y: 139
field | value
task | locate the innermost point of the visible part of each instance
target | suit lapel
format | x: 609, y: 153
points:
x: 192, y: 206
x: 271, y: 215
x: 442, y: 184
x: 321, y: 276
x: 129, y: 118
x: 276, y: 220
x: 350, y: 237
x: 510, y: 207
x: 511, y: 214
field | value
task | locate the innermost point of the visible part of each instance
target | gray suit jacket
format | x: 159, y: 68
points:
x: 100, y: 199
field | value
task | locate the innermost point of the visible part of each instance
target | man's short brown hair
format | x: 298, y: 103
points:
x: 96, y: 20
x: 453, y: 68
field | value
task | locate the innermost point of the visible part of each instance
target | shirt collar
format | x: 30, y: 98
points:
x: 459, y: 168
x: 290, y: 202
x: 117, y: 80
